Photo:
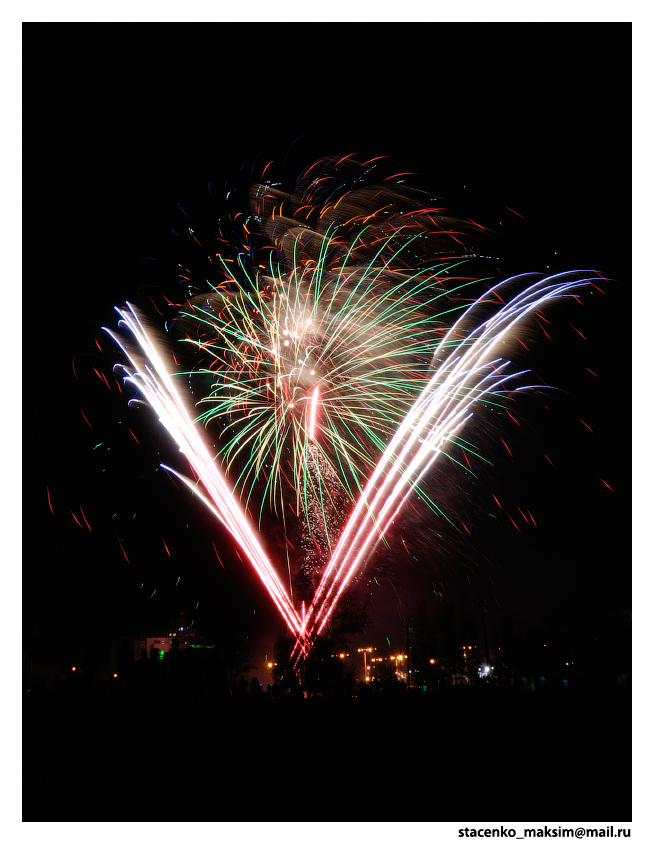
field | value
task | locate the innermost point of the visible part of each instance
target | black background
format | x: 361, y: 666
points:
x: 125, y: 122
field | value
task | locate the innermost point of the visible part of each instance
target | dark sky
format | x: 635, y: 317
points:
x: 120, y: 130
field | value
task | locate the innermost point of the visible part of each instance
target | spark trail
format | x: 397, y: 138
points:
x: 148, y: 373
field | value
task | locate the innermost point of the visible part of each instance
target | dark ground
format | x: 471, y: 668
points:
x: 463, y: 755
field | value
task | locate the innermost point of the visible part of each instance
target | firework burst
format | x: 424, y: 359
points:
x: 314, y: 358
x: 343, y: 346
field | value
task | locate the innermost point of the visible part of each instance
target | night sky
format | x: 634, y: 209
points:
x: 122, y: 131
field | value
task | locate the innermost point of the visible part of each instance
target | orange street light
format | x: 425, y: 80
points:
x: 365, y: 650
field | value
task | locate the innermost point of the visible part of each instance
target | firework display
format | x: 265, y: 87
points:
x: 351, y: 332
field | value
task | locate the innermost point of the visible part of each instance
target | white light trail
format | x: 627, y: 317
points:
x: 312, y: 415
x: 466, y: 375
x: 153, y: 381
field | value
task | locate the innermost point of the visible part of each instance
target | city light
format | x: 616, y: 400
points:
x: 366, y: 650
